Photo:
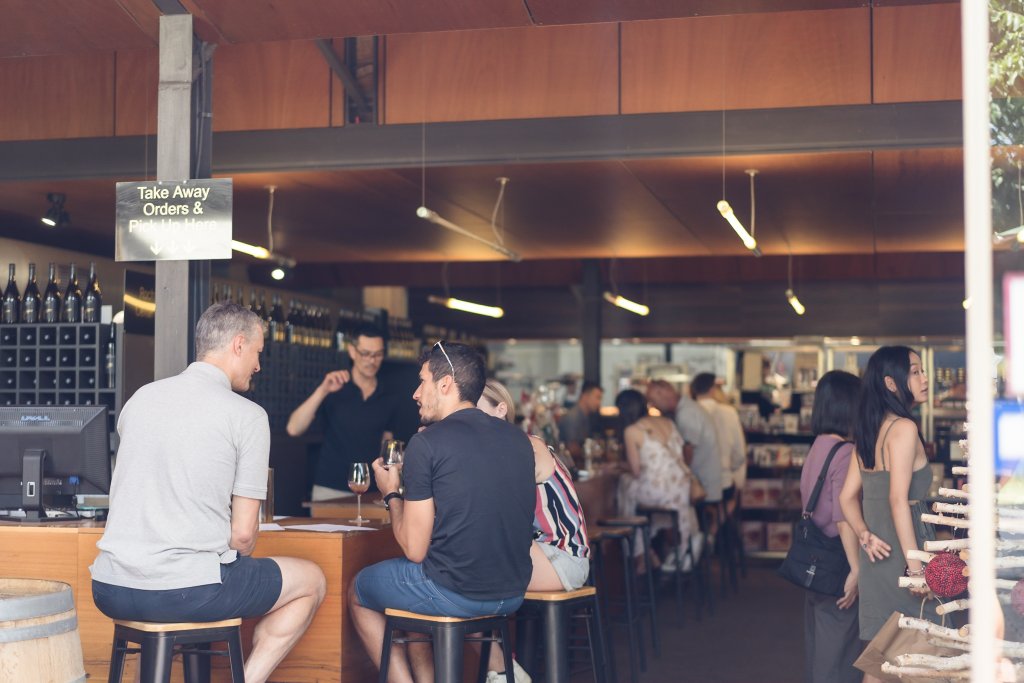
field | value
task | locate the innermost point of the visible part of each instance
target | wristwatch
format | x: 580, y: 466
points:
x: 387, y: 499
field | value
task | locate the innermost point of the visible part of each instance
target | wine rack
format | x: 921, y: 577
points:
x: 56, y: 364
x: 288, y: 375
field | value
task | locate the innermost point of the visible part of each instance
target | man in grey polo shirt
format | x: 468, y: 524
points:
x: 185, y: 497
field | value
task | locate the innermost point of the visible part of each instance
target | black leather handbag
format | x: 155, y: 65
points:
x: 815, y: 561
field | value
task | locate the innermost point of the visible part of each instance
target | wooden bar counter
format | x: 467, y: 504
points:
x: 329, y: 651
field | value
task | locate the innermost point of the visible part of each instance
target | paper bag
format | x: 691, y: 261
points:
x: 891, y: 641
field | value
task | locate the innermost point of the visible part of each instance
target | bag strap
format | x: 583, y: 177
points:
x: 813, y: 500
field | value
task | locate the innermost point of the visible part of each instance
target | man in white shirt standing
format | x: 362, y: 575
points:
x: 732, y: 444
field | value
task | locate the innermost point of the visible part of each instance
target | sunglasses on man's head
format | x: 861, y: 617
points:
x: 441, y: 346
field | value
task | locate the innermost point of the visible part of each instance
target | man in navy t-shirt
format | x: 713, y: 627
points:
x: 465, y: 522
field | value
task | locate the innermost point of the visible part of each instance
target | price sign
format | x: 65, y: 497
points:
x: 185, y: 220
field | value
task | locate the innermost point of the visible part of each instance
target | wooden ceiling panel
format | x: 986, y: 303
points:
x: 137, y: 74
x: 917, y: 53
x: 267, y: 20
x: 264, y: 86
x: 48, y: 27
x: 62, y: 96
x: 810, y: 203
x: 785, y: 59
x: 919, y: 196
x: 502, y: 74
x: 547, y: 12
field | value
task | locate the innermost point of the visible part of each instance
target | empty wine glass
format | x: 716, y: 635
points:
x: 358, y: 483
x: 392, y: 452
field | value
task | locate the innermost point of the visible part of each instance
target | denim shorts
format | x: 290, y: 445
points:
x: 249, y: 588
x: 572, y: 571
x: 401, y: 584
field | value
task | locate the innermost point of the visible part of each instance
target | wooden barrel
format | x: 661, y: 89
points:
x: 39, y: 633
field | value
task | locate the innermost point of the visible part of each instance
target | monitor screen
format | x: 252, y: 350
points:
x: 75, y: 448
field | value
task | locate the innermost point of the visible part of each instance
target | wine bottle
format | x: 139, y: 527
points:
x: 93, y: 299
x: 51, y: 298
x: 110, y: 365
x: 31, y: 302
x: 277, y: 321
x: 12, y: 300
x: 71, y: 311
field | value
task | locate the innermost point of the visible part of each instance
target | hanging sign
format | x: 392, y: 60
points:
x: 187, y: 220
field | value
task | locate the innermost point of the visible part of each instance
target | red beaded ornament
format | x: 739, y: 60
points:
x: 945, y: 575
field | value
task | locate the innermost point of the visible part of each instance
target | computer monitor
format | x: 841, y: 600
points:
x: 48, y: 454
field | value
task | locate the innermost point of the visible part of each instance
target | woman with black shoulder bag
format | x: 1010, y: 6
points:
x: 831, y: 631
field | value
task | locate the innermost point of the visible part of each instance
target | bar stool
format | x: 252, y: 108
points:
x: 643, y: 525
x: 556, y: 608
x: 448, y: 635
x: 159, y: 642
x: 632, y: 618
x: 681, y: 553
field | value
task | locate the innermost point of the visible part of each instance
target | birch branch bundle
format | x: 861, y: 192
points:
x: 1005, y: 584
x: 912, y: 582
x: 953, y: 606
x: 950, y: 644
x: 915, y: 624
x: 935, y: 661
x: 918, y: 672
x: 953, y: 493
x: 951, y: 508
x: 920, y: 556
x: 948, y: 521
x: 951, y: 544
x: 960, y: 469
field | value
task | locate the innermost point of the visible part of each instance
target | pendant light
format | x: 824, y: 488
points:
x: 790, y: 294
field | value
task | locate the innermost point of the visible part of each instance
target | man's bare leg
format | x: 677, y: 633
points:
x: 303, y: 588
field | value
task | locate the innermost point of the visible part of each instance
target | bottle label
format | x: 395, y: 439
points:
x: 51, y: 311
x: 10, y: 312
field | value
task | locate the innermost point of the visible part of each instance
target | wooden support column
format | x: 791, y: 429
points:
x: 173, y: 155
x: 591, y: 335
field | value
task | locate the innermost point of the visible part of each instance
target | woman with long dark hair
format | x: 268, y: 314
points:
x: 657, y: 474
x: 831, y: 634
x: 891, y: 469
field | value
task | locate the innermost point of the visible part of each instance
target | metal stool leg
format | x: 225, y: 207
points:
x: 385, y: 652
x: 117, y: 654
x: 526, y: 641
x: 447, y: 654
x: 156, y: 658
x: 236, y: 657
x: 655, y: 640
x: 636, y: 652
x: 506, y: 649
x: 197, y: 666
x: 599, y: 654
x: 556, y: 639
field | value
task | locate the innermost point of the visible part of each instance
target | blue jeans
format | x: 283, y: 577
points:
x: 401, y: 584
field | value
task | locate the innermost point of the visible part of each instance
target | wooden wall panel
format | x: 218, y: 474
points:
x: 751, y: 61
x: 917, y: 53
x: 502, y: 74
x: 137, y: 74
x: 263, y: 86
x: 57, y: 97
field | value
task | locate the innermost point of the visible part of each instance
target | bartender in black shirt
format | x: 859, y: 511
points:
x: 356, y: 412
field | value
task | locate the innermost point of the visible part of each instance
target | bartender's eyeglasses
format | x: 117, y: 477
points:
x: 440, y: 346
x: 369, y: 355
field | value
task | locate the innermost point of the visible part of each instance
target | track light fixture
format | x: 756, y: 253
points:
x: 435, y: 218
x: 467, y: 306
x: 727, y: 213
x: 623, y: 302
x: 55, y: 215
x: 790, y: 294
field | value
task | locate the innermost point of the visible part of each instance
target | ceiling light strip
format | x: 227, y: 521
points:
x: 432, y: 216
x: 467, y: 306
x: 623, y: 302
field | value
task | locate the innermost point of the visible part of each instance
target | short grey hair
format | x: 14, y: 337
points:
x: 220, y: 323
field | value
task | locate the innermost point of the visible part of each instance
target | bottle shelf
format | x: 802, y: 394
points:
x: 56, y: 364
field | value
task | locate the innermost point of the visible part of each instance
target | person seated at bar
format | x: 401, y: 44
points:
x: 582, y: 420
x: 185, y: 499
x: 465, y: 523
x: 560, y: 552
x: 356, y: 412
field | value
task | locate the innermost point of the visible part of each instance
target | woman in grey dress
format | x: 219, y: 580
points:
x: 892, y: 472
